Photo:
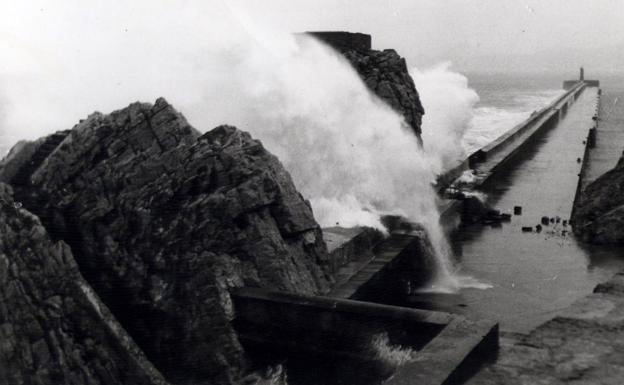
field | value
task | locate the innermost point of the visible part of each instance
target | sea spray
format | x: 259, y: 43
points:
x: 449, y: 104
x: 502, y: 112
x: 390, y: 354
x: 347, y: 151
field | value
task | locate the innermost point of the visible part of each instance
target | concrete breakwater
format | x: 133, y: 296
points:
x: 369, y: 273
x: 493, y: 158
x: 555, y: 139
x: 536, y: 273
x: 495, y: 155
x: 583, y: 343
x: 446, y: 348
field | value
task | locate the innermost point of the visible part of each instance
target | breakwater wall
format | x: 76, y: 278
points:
x: 590, y: 142
x: 447, y: 348
x: 508, y: 144
x: 338, y: 327
x: 499, y: 152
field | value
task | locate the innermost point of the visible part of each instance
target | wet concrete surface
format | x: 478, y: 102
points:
x: 534, y: 275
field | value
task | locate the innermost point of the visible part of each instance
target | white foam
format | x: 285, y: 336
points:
x: 454, y: 285
x: 491, y: 121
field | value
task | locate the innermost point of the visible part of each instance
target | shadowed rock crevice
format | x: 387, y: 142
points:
x: 53, y: 328
x: 164, y: 221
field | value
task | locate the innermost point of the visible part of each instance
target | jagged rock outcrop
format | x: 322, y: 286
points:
x: 599, y: 213
x: 163, y: 221
x: 53, y: 327
x: 384, y: 72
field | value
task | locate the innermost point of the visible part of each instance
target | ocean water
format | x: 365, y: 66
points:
x: 504, y: 101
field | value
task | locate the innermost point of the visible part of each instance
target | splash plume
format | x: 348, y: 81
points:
x: 348, y: 152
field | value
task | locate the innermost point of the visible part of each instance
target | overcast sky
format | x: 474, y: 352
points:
x: 74, y: 56
x: 473, y: 34
x: 499, y: 35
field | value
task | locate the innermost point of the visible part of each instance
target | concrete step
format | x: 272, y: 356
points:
x: 453, y: 356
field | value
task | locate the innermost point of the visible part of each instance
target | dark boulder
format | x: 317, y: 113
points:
x: 163, y: 221
x: 386, y: 74
x: 53, y: 328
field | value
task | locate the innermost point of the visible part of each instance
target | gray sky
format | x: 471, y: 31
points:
x: 78, y: 55
x: 532, y: 35
x: 528, y: 35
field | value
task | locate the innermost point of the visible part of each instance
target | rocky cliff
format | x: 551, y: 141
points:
x: 163, y: 221
x: 599, y: 214
x: 384, y: 72
x: 53, y: 328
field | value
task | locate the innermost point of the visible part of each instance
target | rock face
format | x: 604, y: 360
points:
x: 53, y: 328
x: 384, y: 72
x: 599, y: 214
x: 163, y: 221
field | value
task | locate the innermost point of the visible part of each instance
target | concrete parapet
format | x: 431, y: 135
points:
x: 519, y: 129
x: 498, y: 153
x: 568, y: 84
x: 590, y: 143
x: 449, y: 347
x: 338, y: 327
x: 511, y: 141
